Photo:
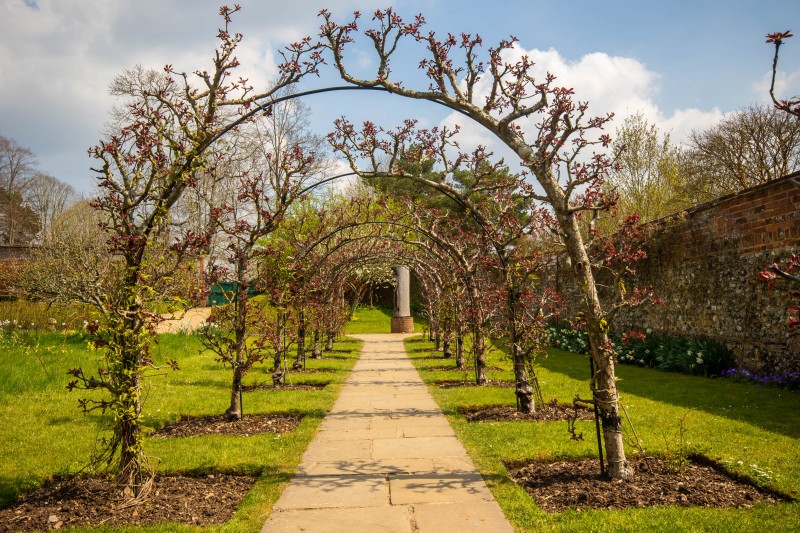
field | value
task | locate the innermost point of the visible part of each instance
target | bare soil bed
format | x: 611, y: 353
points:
x: 287, y: 387
x: 314, y: 370
x: 453, y: 383
x: 191, y: 426
x: 60, y: 503
x: 544, y: 413
x: 453, y: 367
x: 557, y: 486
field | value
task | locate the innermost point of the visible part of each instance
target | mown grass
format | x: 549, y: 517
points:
x: 376, y: 320
x: 42, y: 433
x: 754, y: 431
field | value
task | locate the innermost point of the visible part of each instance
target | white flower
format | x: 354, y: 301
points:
x: 699, y: 360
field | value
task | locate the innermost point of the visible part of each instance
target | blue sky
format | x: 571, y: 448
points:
x: 684, y: 64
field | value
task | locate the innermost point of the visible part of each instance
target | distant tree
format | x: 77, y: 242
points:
x: 72, y: 263
x: 747, y: 148
x: 18, y: 222
x: 48, y: 197
x: 649, y: 177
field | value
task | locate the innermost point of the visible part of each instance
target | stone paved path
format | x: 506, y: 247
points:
x: 386, y: 459
x: 186, y: 322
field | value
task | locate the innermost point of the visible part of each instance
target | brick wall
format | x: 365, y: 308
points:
x: 705, y: 263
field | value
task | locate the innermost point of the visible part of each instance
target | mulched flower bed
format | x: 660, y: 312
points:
x: 452, y: 384
x: 557, y: 486
x: 544, y: 413
x: 298, y: 386
x: 192, y: 426
x: 453, y: 367
x: 60, y: 503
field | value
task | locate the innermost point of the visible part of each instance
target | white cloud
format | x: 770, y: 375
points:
x: 57, y: 58
x: 787, y: 86
x: 345, y: 184
x: 611, y: 84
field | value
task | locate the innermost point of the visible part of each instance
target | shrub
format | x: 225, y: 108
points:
x: 695, y: 356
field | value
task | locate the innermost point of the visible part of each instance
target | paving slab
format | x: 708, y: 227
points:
x: 372, y: 466
x: 417, y: 447
x: 386, y: 459
x: 307, y: 492
x: 326, y: 450
x: 438, y: 487
x: 343, y: 520
x: 461, y: 517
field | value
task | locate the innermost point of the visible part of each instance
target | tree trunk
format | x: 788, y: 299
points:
x: 329, y: 342
x: 234, y: 412
x: 317, y: 351
x: 460, y: 351
x: 604, y: 390
x: 479, y: 351
x: 447, y: 353
x: 437, y: 339
x: 132, y: 469
x: 480, y: 370
x: 604, y: 384
x: 278, y: 375
x: 301, y: 342
x: 523, y: 389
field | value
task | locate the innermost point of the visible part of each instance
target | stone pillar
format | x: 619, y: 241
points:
x: 402, y: 321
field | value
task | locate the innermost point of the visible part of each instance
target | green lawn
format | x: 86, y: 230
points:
x: 42, y: 432
x: 376, y: 320
x: 754, y: 431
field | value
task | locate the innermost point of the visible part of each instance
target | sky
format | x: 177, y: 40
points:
x: 683, y: 64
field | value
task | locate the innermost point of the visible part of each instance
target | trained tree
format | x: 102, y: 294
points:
x: 542, y: 124
x: 161, y: 137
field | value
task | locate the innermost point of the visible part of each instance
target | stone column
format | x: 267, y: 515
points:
x: 402, y: 321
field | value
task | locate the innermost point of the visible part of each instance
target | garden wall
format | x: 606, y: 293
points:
x: 705, y: 261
